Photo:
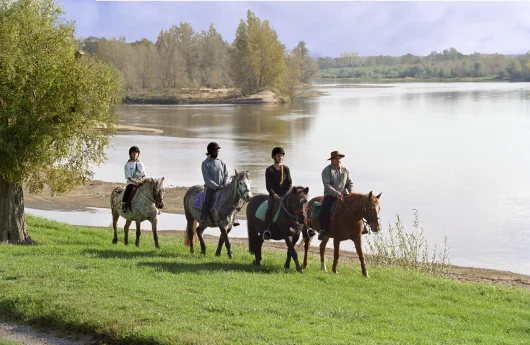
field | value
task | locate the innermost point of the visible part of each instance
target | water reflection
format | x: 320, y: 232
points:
x: 456, y: 152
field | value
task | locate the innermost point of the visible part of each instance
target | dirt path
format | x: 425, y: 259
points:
x: 97, y: 194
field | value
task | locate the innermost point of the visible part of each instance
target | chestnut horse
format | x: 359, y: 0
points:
x: 346, y: 224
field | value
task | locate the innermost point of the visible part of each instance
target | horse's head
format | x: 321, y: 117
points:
x: 243, y: 185
x: 158, y: 193
x: 371, y: 212
x: 297, y: 201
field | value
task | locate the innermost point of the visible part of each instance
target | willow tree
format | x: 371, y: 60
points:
x: 56, y: 113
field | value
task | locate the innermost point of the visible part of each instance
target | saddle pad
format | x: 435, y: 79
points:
x: 262, y: 209
x: 199, y: 200
x: 317, y: 207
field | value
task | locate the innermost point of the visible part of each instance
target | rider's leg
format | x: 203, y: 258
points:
x: 207, y: 204
x: 325, y: 212
x: 125, y: 198
x: 268, y: 218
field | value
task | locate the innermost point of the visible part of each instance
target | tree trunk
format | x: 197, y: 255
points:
x: 12, y: 220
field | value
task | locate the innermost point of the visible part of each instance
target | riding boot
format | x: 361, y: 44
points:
x: 204, y: 218
x: 123, y: 207
x: 267, y: 233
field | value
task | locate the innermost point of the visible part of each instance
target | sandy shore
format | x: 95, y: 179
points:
x: 97, y: 194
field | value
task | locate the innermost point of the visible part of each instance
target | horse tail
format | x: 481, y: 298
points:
x: 191, y: 224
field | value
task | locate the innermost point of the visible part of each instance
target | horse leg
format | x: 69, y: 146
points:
x: 359, y: 248
x: 115, y: 218
x: 336, y: 254
x: 126, y: 231
x: 138, y: 233
x: 291, y: 252
x: 224, y: 233
x: 307, y: 242
x: 154, y: 224
x: 322, y: 252
x: 220, y: 246
x: 200, y: 231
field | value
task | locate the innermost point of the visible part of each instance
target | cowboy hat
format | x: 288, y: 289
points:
x: 335, y: 154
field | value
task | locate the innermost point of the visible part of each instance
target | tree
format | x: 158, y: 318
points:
x: 258, y: 57
x: 56, y: 113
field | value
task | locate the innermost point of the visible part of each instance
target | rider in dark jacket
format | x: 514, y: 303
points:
x: 278, y: 183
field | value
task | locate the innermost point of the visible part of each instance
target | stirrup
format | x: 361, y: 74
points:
x: 267, y: 235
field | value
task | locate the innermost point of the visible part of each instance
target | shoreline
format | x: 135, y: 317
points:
x: 97, y: 194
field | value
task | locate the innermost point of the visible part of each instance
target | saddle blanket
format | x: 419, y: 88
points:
x: 317, y: 207
x: 262, y: 209
x: 199, y: 200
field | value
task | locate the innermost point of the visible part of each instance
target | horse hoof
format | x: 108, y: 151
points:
x: 217, y: 254
x: 255, y: 263
x: 203, y: 252
x: 286, y: 267
x: 230, y: 255
x: 299, y: 270
x: 157, y: 246
x: 115, y: 241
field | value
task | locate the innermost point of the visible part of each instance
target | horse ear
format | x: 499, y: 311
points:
x: 306, y: 190
x: 235, y: 171
x: 293, y: 190
x: 370, y: 195
x: 379, y: 195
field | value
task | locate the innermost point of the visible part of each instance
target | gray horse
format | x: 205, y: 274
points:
x: 224, y: 213
x: 148, y: 200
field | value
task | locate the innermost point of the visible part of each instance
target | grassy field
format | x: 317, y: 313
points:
x: 75, y: 280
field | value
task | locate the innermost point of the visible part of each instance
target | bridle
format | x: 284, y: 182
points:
x: 291, y: 216
x: 364, y: 211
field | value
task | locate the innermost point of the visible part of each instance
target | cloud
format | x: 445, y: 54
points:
x: 328, y: 28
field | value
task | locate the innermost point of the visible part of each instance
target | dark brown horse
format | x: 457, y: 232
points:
x: 347, y: 224
x: 291, y: 221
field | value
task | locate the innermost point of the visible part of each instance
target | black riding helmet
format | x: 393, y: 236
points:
x: 211, y: 147
x: 134, y: 149
x: 277, y: 150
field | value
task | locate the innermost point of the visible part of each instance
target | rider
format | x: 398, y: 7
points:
x: 278, y: 183
x: 215, y: 177
x: 337, y: 182
x: 134, y: 174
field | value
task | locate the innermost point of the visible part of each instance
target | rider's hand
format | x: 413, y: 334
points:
x: 339, y: 195
x: 219, y: 187
x: 276, y: 197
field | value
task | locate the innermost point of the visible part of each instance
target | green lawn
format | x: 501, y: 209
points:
x: 76, y: 280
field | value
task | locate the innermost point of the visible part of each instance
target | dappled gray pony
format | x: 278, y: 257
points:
x: 149, y: 198
x: 223, y: 213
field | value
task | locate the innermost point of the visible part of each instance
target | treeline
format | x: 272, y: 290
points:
x: 448, y: 64
x: 182, y: 57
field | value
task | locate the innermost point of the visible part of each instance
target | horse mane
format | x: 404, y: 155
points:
x: 359, y: 199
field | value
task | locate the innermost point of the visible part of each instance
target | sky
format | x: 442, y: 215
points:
x: 328, y: 27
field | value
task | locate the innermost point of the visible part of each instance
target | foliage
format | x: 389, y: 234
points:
x: 407, y: 250
x: 55, y: 107
x: 447, y: 64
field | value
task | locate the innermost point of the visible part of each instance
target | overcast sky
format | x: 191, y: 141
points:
x: 328, y: 28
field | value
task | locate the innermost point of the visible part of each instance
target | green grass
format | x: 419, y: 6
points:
x: 7, y: 342
x: 76, y: 280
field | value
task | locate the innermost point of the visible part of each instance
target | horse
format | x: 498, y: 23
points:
x: 223, y: 213
x: 291, y: 220
x: 346, y: 224
x: 145, y: 205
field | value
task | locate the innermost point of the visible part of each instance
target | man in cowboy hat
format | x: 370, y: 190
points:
x: 337, y: 182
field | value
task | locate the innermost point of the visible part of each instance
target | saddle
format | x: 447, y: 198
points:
x: 199, y: 200
x: 131, y: 197
x: 317, y: 207
x: 262, y: 209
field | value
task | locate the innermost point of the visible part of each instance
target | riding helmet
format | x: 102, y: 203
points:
x: 211, y: 147
x: 277, y: 150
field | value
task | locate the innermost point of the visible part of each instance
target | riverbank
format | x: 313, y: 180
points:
x: 97, y: 194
